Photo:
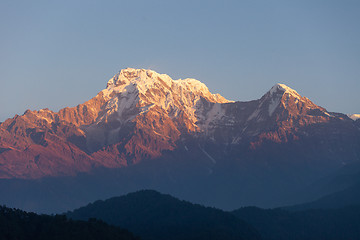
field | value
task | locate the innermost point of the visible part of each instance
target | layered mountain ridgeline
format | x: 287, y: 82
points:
x: 146, y: 130
x: 141, y: 114
x: 347, y: 197
x: 354, y: 117
x: 152, y: 215
x: 334, y: 216
x: 19, y: 225
x: 279, y: 224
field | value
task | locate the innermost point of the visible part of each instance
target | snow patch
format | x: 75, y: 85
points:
x: 327, y: 114
x: 215, y: 114
x: 208, y: 155
x: 354, y: 116
x: 255, y: 114
x: 137, y: 88
x: 236, y: 140
x: 273, y: 105
x: 285, y: 89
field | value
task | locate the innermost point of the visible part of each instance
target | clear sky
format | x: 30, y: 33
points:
x: 61, y: 53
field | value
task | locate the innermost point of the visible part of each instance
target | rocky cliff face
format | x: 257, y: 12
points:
x: 142, y: 114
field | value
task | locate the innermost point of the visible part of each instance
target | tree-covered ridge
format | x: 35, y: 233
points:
x: 152, y: 215
x: 312, y: 224
x: 19, y: 225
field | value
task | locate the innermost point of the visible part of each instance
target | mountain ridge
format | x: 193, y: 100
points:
x: 153, y: 215
x: 140, y: 115
x: 146, y: 130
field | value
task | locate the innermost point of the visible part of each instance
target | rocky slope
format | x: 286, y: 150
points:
x: 140, y: 114
x: 143, y: 115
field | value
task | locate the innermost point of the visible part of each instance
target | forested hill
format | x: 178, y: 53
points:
x: 156, y: 216
x: 312, y: 224
x: 19, y: 225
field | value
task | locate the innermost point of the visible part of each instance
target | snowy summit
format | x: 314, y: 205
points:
x: 144, y: 89
x: 285, y: 89
x: 354, y: 116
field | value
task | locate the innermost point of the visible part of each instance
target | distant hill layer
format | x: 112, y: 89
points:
x: 315, y: 224
x: 19, y: 225
x: 152, y: 215
x: 177, y: 137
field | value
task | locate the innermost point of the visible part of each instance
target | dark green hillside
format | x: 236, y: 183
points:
x: 152, y: 215
x: 279, y: 224
x: 19, y: 225
x: 347, y: 197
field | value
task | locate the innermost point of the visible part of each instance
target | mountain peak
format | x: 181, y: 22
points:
x: 282, y: 95
x: 354, y: 116
x: 135, y: 76
x: 141, y: 115
x: 282, y: 88
x: 144, y: 81
x: 133, y: 92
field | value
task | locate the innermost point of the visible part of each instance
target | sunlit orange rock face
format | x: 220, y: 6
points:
x: 140, y: 115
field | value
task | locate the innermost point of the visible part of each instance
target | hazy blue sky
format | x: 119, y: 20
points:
x: 61, y: 53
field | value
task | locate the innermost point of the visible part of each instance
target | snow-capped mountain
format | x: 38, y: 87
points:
x: 146, y: 130
x: 354, y: 116
x: 142, y: 114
